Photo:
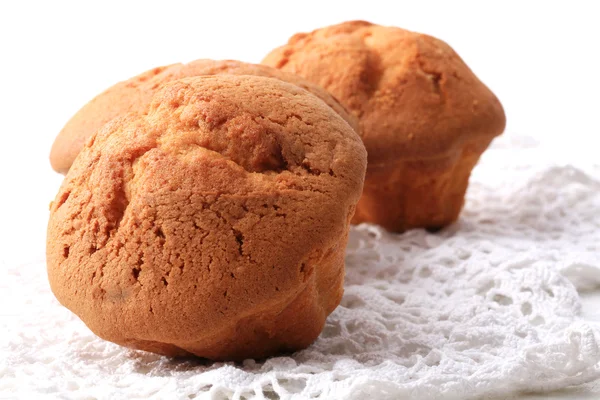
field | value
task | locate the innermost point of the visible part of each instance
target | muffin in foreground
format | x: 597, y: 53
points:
x: 215, y: 224
x: 135, y: 94
x: 424, y: 117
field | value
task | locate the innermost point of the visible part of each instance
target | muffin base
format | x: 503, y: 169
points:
x: 427, y: 193
x: 276, y: 328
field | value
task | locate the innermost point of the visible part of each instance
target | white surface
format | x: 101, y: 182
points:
x: 479, y: 309
x: 540, y: 58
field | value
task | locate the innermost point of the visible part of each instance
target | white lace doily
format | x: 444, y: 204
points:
x: 482, y: 308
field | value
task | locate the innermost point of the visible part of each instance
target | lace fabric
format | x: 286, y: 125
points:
x: 485, y: 307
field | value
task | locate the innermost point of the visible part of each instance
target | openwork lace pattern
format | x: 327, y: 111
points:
x: 488, y: 306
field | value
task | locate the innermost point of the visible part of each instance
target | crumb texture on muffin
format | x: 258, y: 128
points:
x: 135, y: 95
x: 215, y: 224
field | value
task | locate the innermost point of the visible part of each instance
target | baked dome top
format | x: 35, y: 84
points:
x: 414, y: 96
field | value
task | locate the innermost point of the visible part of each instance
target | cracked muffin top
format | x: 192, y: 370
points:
x: 413, y: 95
x: 217, y: 203
x: 135, y: 94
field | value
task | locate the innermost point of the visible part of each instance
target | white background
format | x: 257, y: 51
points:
x: 542, y: 59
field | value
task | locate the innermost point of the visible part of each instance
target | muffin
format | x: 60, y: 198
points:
x: 135, y: 94
x: 424, y: 117
x: 214, y: 224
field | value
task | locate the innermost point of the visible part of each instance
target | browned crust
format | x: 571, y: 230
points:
x: 424, y: 117
x: 414, y: 96
x: 135, y: 94
x: 213, y: 225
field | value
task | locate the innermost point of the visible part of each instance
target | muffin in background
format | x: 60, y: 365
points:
x: 135, y: 94
x: 424, y: 117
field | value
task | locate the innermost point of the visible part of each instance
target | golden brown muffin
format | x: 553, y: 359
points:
x: 425, y: 117
x: 215, y: 224
x: 135, y: 94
